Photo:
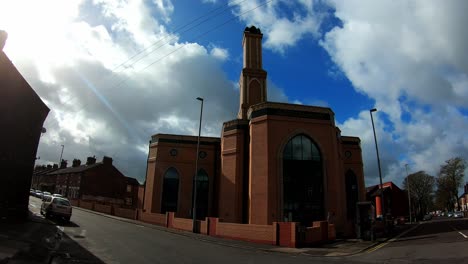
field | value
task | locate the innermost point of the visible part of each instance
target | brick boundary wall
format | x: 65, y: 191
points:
x: 153, y: 218
x: 125, y: 213
x: 102, y: 208
x: 182, y: 224
x: 263, y: 234
x: 86, y: 205
x: 285, y: 234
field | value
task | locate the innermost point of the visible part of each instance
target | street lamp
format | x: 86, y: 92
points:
x: 378, y: 164
x: 409, y: 196
x: 194, y: 210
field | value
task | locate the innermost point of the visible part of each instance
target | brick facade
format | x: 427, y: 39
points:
x: 246, y: 166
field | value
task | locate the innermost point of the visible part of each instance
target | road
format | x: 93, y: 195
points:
x: 113, y: 241
x: 442, y: 240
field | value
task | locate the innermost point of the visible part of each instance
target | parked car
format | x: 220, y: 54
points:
x: 450, y: 214
x: 39, y: 194
x: 44, y: 194
x: 57, y: 195
x: 427, y: 217
x: 458, y: 214
x: 31, y: 192
x: 56, y: 207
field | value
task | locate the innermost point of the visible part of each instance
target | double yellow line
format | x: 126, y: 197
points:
x: 379, y: 246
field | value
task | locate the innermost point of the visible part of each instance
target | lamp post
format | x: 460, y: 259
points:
x: 194, y: 210
x: 60, y: 161
x: 378, y: 164
x: 409, y: 196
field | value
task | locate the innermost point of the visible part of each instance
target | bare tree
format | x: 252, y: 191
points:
x: 421, y: 191
x: 450, y: 179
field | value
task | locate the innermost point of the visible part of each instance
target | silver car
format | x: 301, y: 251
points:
x: 458, y: 214
x: 56, y: 206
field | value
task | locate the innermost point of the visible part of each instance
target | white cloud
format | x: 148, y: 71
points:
x: 100, y: 109
x: 220, y: 53
x: 409, y: 58
x: 281, y: 31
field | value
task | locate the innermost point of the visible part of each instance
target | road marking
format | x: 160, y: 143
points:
x: 465, y: 236
x: 459, y: 232
x: 391, y: 240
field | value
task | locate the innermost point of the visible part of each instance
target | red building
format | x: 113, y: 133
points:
x: 22, y: 114
x: 396, y: 200
x: 99, y: 181
x: 275, y: 162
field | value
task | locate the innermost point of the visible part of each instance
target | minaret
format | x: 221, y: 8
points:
x: 252, y: 81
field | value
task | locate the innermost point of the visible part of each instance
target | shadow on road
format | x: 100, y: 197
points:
x: 37, y: 240
x: 437, y: 227
x: 71, y: 251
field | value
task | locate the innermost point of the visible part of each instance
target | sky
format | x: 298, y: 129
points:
x: 115, y: 72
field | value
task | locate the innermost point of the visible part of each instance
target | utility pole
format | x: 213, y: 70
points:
x: 409, y: 196
x: 194, y: 213
x: 380, y: 171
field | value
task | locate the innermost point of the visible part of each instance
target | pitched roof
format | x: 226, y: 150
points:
x: 77, y: 169
x: 132, y: 181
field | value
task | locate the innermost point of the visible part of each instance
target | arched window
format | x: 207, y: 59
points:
x: 301, y: 148
x: 352, y: 192
x: 203, y: 188
x: 170, y: 193
x: 302, y: 181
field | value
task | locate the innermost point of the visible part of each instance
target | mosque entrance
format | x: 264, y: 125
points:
x: 302, y: 181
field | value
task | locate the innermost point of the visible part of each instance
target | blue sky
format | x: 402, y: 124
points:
x: 407, y: 59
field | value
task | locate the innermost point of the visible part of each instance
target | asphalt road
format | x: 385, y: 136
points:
x: 442, y: 240
x: 94, y: 238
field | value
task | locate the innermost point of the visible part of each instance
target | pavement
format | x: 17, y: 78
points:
x: 39, y: 240
x: 28, y: 241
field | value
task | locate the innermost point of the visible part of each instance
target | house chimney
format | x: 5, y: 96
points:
x: 107, y: 160
x: 76, y: 163
x: 91, y: 160
x: 63, y: 164
x: 3, y: 38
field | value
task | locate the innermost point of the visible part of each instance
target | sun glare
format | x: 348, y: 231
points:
x: 37, y: 30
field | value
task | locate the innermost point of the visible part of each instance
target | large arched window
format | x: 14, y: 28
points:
x: 203, y: 188
x: 352, y: 192
x: 170, y: 193
x: 302, y: 181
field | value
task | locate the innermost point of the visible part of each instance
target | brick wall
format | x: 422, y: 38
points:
x: 313, y: 235
x: 153, y: 218
x: 126, y: 213
x: 87, y: 205
x: 265, y: 234
x: 182, y: 224
x: 107, y: 209
x: 204, y: 227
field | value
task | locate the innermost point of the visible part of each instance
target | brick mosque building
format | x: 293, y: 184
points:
x: 275, y: 162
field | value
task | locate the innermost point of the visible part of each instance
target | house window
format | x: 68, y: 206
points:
x: 129, y: 188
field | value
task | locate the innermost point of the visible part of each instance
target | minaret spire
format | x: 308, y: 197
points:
x: 252, y: 81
